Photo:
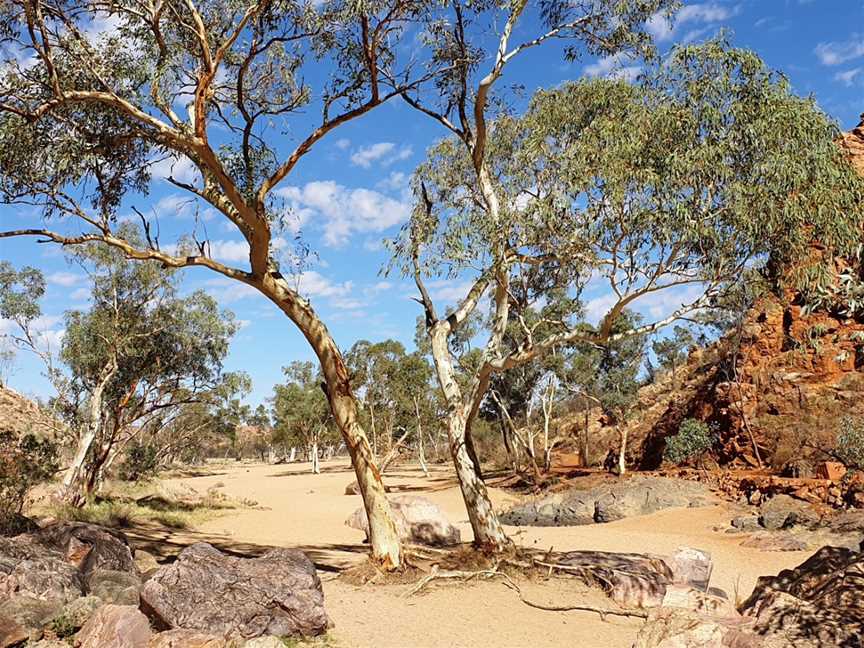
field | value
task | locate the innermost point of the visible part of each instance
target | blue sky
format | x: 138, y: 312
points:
x: 351, y: 191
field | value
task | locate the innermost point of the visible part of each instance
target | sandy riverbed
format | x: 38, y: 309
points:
x: 298, y: 509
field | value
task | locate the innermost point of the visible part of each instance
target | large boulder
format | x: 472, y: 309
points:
x: 89, y: 546
x: 187, y: 639
x: 118, y: 626
x: 118, y: 587
x: 204, y: 589
x: 819, y: 603
x: 672, y: 627
x: 631, y: 580
x: 608, y: 502
x: 783, y: 511
x: 28, y: 569
x: 417, y: 520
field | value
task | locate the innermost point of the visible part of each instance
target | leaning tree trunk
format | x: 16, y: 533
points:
x: 75, y: 483
x: 383, y: 536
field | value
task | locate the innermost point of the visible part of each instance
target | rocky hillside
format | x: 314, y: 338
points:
x: 22, y: 416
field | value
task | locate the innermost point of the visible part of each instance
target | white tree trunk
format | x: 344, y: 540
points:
x: 622, y: 453
x: 293, y: 457
x: 316, y: 466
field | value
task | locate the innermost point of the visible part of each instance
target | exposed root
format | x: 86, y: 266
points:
x: 495, y: 572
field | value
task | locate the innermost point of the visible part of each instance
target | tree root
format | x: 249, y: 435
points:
x: 494, y: 572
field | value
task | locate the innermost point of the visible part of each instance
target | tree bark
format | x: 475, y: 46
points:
x: 76, y: 481
x: 622, y: 453
x: 316, y: 466
x: 383, y: 536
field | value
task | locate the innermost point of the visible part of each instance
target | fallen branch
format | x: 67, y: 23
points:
x: 603, y: 612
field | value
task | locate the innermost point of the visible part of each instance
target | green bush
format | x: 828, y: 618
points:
x: 24, y: 463
x: 140, y: 462
x: 694, y: 438
x: 850, y: 442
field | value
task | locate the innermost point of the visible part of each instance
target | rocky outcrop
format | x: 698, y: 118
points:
x: 187, y: 639
x: 277, y: 594
x: 417, y: 520
x: 674, y: 627
x: 817, y: 604
x: 608, y: 502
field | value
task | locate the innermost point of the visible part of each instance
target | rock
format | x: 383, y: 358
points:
x: 631, y: 580
x: 264, y: 642
x: 783, y: 511
x: 118, y: 626
x: 354, y: 489
x: 77, y: 613
x: 27, y: 568
x: 47, y: 643
x: 774, y: 542
x: 746, y: 523
x: 691, y: 567
x: 120, y: 588
x: 145, y: 562
x: 417, y: 520
x: 818, y: 603
x: 608, y: 502
x: 12, y: 633
x: 689, y: 598
x: 851, y: 521
x: 277, y: 594
x: 189, y: 639
x: 30, y: 613
x: 101, y: 548
x: 833, y: 470
x: 680, y: 628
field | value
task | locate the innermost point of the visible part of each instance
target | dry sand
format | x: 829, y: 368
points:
x: 298, y: 509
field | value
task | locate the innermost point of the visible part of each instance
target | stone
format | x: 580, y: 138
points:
x: 818, y: 603
x: 354, y: 489
x: 27, y: 568
x: 30, y: 613
x: 188, y: 639
x: 783, y: 511
x: 47, y: 643
x: 631, y: 580
x: 681, y: 628
x: 118, y: 626
x: 608, y: 502
x: 774, y: 542
x: 145, y: 562
x: 118, y: 587
x: 690, y: 598
x: 277, y: 594
x: 691, y: 567
x: 12, y: 633
x: 78, y: 612
x: 417, y: 520
x: 108, y: 549
x: 746, y: 523
x: 264, y: 642
x: 833, y: 470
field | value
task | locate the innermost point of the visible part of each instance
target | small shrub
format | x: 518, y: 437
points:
x: 850, y: 442
x: 24, y: 463
x: 694, y: 438
x: 140, y: 462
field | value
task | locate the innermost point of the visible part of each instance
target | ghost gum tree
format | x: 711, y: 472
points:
x: 705, y: 167
x: 85, y: 111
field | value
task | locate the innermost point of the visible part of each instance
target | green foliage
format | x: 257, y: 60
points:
x: 300, y: 411
x: 671, y: 351
x: 24, y: 463
x: 850, y: 442
x: 140, y: 461
x: 694, y: 439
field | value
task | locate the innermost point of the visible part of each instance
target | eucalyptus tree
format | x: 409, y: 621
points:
x: 138, y: 352
x: 671, y: 351
x: 300, y: 412
x: 677, y: 184
x: 92, y: 93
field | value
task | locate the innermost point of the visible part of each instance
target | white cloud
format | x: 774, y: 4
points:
x: 663, y: 29
x: 81, y: 294
x: 613, y: 67
x: 345, y: 211
x: 835, y: 53
x: 65, y: 279
x: 384, y: 152
x: 448, y: 291
x: 847, y: 78
x: 229, y: 251
x: 343, y: 143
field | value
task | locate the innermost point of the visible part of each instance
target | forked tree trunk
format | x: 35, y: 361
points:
x: 383, y: 536
x: 77, y: 482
